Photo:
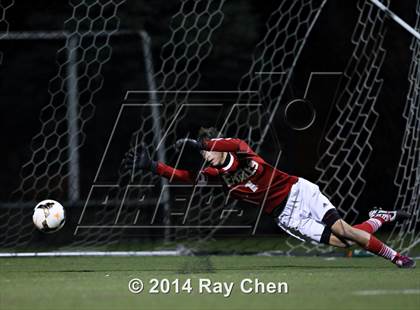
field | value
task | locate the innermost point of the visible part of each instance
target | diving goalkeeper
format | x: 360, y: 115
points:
x: 297, y: 205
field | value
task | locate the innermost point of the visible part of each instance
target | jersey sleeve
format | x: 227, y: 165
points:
x: 169, y: 172
x: 226, y: 145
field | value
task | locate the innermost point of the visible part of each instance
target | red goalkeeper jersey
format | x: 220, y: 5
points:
x: 244, y: 175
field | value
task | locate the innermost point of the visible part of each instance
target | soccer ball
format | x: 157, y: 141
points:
x: 49, y: 216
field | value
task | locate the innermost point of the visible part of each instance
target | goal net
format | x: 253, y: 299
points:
x: 340, y: 149
x: 407, y: 178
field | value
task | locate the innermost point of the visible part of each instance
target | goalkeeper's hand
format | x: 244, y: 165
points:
x: 138, y: 158
x: 194, y: 144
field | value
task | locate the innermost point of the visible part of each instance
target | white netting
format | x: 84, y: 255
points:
x: 46, y: 173
x: 287, y: 30
x: 406, y: 234
x: 348, y: 140
x: 261, y: 92
x: 190, y: 44
x: 131, y: 200
x: 4, y: 25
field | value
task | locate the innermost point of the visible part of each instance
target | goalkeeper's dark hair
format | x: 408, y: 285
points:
x: 208, y: 133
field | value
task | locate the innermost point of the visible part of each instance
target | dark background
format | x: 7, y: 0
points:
x: 27, y: 66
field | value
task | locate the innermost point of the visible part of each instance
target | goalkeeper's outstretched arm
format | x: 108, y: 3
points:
x: 139, y: 159
x: 172, y: 173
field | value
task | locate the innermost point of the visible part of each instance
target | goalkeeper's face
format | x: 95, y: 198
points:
x: 214, y: 158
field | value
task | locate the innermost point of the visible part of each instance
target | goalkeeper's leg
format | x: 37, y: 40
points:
x: 336, y: 232
x: 308, y: 214
x: 342, y: 235
x: 341, y: 232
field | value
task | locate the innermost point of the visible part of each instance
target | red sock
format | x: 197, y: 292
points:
x: 379, y: 248
x: 371, y: 225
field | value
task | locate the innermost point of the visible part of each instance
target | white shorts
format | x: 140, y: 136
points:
x: 305, y: 208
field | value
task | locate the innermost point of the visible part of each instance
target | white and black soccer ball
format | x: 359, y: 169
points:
x: 49, y: 216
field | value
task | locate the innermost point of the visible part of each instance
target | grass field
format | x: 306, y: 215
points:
x: 102, y: 283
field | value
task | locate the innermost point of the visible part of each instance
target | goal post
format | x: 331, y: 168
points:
x: 69, y: 166
x: 396, y: 18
